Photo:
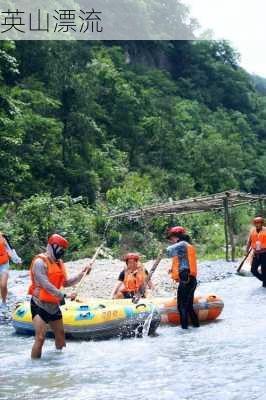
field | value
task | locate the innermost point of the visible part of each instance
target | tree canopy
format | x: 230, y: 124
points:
x: 126, y: 124
x: 78, y: 117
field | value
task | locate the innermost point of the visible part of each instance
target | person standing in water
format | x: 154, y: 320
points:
x: 48, y: 276
x: 132, y: 279
x: 257, y: 242
x: 183, y: 271
x: 7, y: 253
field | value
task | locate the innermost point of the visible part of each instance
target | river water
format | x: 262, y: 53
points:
x: 222, y: 360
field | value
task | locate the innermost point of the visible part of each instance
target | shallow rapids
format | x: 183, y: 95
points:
x: 223, y: 360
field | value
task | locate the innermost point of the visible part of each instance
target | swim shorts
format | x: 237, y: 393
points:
x: 4, y: 268
x: 44, y: 315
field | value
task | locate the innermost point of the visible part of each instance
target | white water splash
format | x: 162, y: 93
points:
x: 147, y: 323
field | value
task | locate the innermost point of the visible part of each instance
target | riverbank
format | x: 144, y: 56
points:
x: 105, y: 273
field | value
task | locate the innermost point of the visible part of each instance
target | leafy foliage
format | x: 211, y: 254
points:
x: 123, y: 124
x: 38, y: 217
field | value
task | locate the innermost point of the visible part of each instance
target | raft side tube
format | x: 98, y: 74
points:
x: 86, y: 322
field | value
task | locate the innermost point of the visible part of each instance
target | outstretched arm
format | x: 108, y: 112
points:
x: 11, y: 251
x: 76, y: 278
x: 116, y: 289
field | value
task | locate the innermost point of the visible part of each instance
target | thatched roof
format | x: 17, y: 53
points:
x: 213, y: 202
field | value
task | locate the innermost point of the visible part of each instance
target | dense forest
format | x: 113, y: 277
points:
x: 123, y: 124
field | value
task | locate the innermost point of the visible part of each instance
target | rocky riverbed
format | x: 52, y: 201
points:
x: 105, y: 273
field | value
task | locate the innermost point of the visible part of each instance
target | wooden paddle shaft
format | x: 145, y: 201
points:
x: 242, y: 263
x: 155, y: 265
x: 85, y: 273
x: 152, y: 270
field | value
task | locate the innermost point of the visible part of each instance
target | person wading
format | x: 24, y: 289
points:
x: 7, y: 253
x: 131, y: 279
x: 48, y: 276
x: 183, y: 271
x: 257, y: 241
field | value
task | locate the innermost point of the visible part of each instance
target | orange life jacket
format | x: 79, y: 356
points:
x: 192, y: 262
x: 4, y: 256
x: 258, y: 239
x: 56, y: 275
x: 134, y: 280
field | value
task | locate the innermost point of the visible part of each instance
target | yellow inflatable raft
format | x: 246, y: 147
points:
x: 96, y: 320
x: 207, y: 307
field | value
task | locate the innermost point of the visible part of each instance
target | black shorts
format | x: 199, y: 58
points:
x: 44, y: 315
x: 131, y: 295
x: 128, y: 295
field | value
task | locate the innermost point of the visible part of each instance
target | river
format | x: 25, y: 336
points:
x: 223, y: 360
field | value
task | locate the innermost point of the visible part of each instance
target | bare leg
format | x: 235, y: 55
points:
x: 40, y: 327
x: 119, y: 295
x: 3, y: 282
x: 58, y: 330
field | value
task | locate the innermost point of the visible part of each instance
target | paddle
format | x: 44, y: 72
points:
x: 93, y: 259
x: 81, y: 282
x: 243, y: 261
x: 140, y: 293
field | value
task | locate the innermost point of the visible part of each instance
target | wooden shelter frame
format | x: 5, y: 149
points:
x: 220, y: 201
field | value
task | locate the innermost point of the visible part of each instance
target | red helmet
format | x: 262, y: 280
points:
x: 131, y: 256
x: 258, y: 220
x: 175, y: 229
x: 59, y: 240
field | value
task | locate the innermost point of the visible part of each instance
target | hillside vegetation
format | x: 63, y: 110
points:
x: 124, y: 124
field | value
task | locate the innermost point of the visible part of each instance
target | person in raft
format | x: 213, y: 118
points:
x: 7, y: 253
x: 257, y: 242
x: 132, y: 279
x: 183, y: 271
x: 48, y: 276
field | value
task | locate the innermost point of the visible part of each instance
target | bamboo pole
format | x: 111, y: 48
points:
x: 198, y: 204
x: 230, y: 230
x: 261, y: 207
x: 225, y: 202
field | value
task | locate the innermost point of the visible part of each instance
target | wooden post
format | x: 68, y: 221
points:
x: 146, y: 231
x: 231, y: 235
x: 261, y: 207
x: 225, y: 201
x: 230, y: 227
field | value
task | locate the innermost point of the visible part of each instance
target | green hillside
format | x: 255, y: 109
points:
x: 123, y: 124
